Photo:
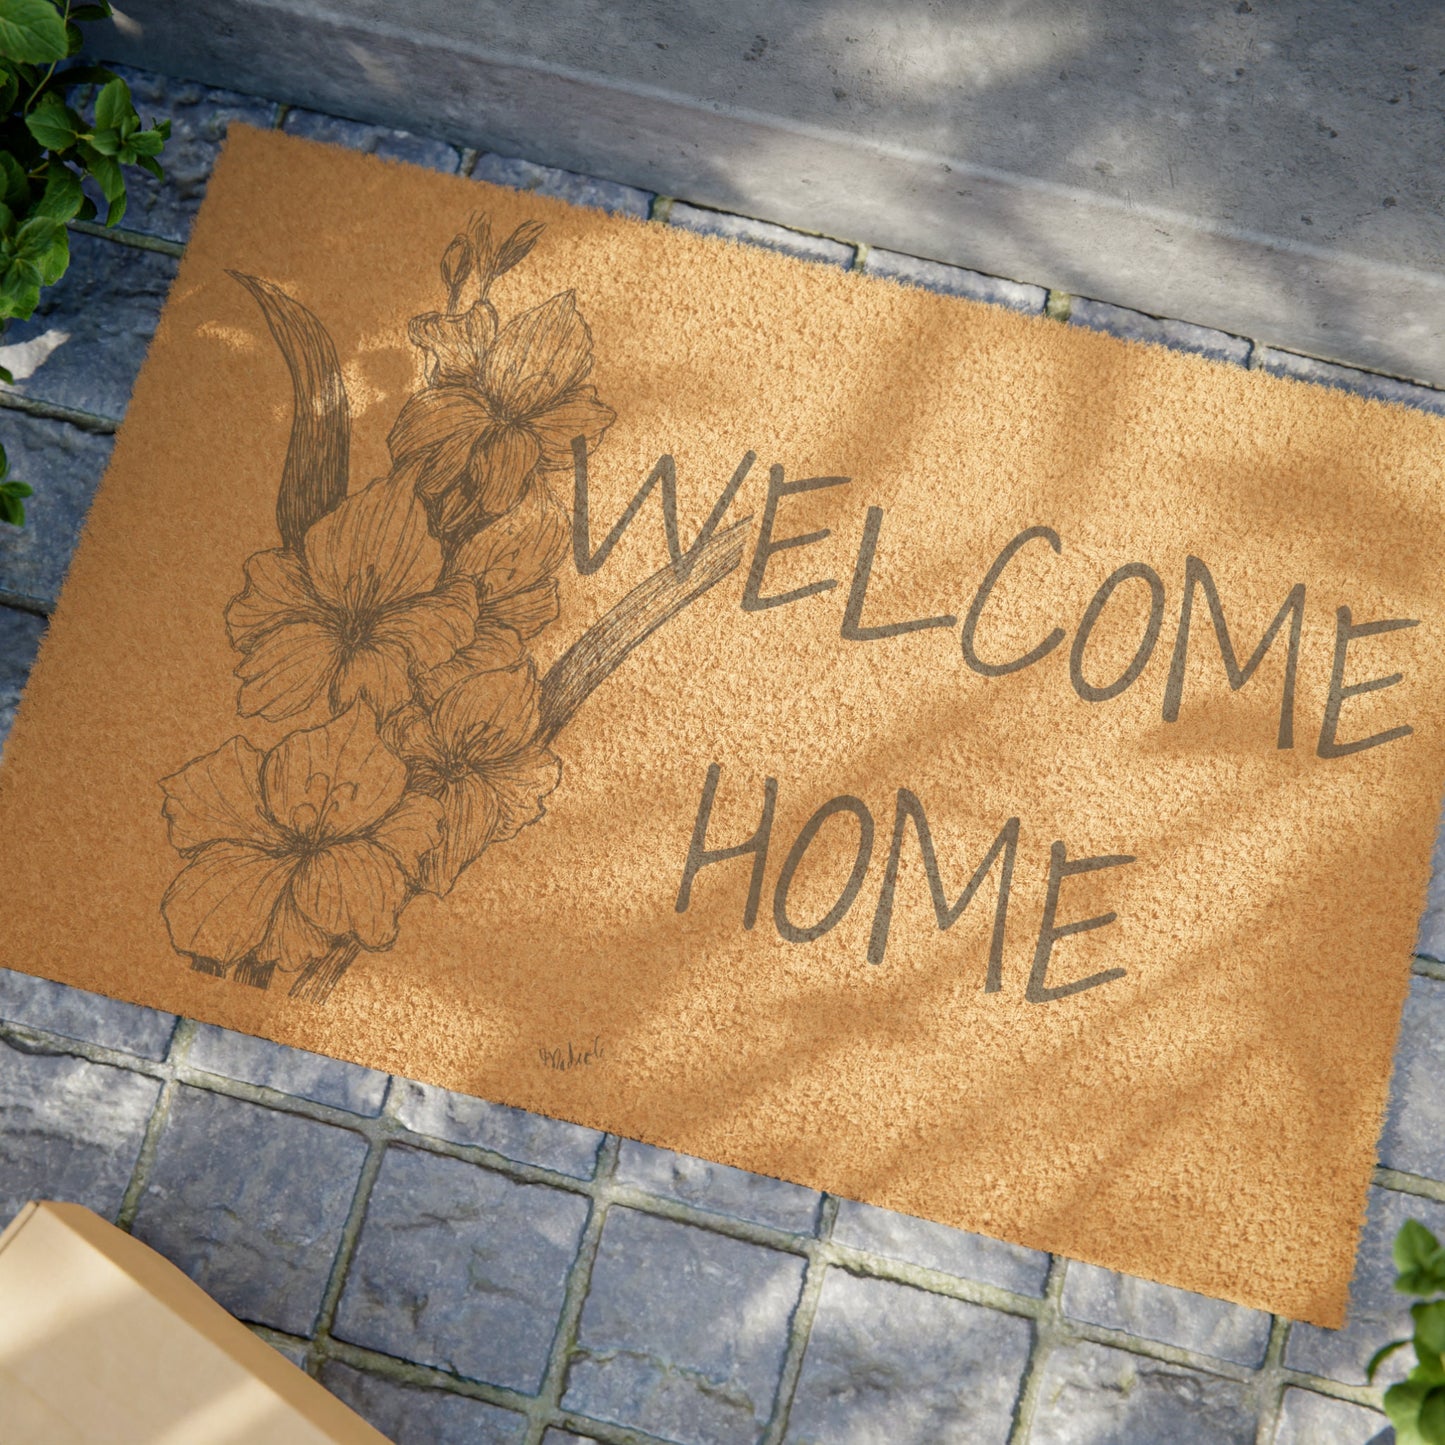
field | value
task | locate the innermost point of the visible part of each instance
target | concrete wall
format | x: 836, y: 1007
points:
x: 1269, y: 167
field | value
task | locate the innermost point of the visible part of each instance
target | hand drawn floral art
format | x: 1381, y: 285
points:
x: 395, y: 624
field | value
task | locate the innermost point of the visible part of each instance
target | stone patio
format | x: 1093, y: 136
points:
x: 463, y: 1272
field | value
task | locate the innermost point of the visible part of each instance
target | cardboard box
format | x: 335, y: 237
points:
x: 103, y: 1342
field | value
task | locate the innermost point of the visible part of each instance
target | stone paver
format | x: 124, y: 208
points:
x: 514, y: 1133
x: 717, y: 1187
x: 1178, y: 335
x: 461, y: 1268
x: 20, y: 634
x: 1160, y: 1312
x: 522, y: 175
x: 936, y: 1246
x: 411, y: 1415
x: 684, y: 1331
x: 199, y: 117
x: 69, y: 1130
x: 250, y: 1203
x: 1306, y: 1418
x: 1347, y: 378
x: 1414, y: 1135
x: 1093, y: 1395
x: 91, y: 1017
x: 761, y: 233
x: 289, y: 1071
x: 1430, y: 941
x: 85, y: 343
x: 953, y: 280
x: 1378, y: 1313
x: 886, y: 1362
x: 375, y: 140
x: 64, y: 464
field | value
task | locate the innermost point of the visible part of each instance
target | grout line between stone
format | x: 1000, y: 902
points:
x: 49, y: 411
x: 800, y: 1327
x: 1425, y: 967
x: 467, y: 161
x: 180, y: 1046
x: 1403, y: 1183
x: 377, y: 1139
x: 124, y: 236
x: 661, y: 209
x: 1047, y: 1324
x: 1058, y: 305
x: 18, y: 603
x: 548, y: 1404
x: 1269, y: 1387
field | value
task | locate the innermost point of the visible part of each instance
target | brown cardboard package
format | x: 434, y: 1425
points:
x: 103, y: 1342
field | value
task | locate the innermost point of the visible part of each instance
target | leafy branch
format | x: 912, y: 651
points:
x: 1416, y: 1406
x: 48, y: 149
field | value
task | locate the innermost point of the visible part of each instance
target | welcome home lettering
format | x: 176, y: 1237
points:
x: 977, y: 654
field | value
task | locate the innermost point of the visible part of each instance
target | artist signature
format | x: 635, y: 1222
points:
x: 572, y: 1056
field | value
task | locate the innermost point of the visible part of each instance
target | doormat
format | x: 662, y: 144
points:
x: 935, y: 755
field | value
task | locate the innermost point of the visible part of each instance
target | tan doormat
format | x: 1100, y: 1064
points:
x: 931, y: 754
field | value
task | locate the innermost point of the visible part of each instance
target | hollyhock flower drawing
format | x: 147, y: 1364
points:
x: 499, y: 411
x: 354, y: 616
x: 291, y: 850
x: 475, y: 752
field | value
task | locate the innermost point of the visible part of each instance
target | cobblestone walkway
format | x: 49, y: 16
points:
x: 462, y: 1272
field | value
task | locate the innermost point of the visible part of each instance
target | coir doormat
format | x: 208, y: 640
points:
x: 935, y: 755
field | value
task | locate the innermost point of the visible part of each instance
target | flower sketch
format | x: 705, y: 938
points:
x: 394, y: 625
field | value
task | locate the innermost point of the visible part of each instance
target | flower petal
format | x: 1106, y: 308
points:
x: 333, y: 781
x: 549, y: 345
x: 277, y: 591
x: 526, y: 613
x: 433, y: 627
x: 493, y: 713
x: 293, y: 940
x: 520, y: 780
x: 470, y: 810
x: 286, y: 669
x: 378, y: 673
x: 501, y: 463
x: 374, y: 548
x: 579, y: 413
x: 355, y: 887
x: 494, y: 648
x: 446, y: 465
x: 455, y: 345
x: 218, y: 796
x: 220, y: 905
x: 411, y: 829
x: 430, y: 417
x: 517, y: 549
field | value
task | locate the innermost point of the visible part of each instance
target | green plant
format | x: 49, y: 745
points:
x: 47, y: 149
x: 1416, y: 1406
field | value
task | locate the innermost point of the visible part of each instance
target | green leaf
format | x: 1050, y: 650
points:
x: 1430, y: 1325
x: 112, y: 105
x: 12, y: 510
x: 14, y: 185
x: 4, y: 460
x: 63, y: 196
x: 17, y: 489
x: 52, y: 122
x: 106, y: 142
x: 9, y: 90
x: 35, y: 237
x: 1380, y: 1356
x: 1402, y: 1405
x: 54, y: 261
x: 1414, y: 1245
x: 31, y: 30
x: 7, y: 222
x: 151, y: 164
x: 85, y: 13
x: 74, y: 40
x: 19, y: 289
x: 107, y: 175
x: 87, y: 210
x: 147, y: 142
x: 1432, y: 1417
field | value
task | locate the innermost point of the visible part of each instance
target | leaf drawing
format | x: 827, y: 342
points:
x: 394, y: 624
